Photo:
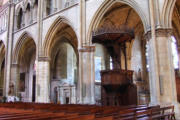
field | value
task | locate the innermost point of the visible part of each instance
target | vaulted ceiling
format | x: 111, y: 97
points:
x: 120, y: 14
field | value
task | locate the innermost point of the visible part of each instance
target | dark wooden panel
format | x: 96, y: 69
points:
x: 117, y: 88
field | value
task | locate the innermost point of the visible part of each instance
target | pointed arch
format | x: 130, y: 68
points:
x: 26, y: 4
x: 19, y: 19
x: 104, y: 8
x: 18, y: 8
x: 35, y: 2
x: 57, y: 25
x: 23, y: 39
x: 167, y: 12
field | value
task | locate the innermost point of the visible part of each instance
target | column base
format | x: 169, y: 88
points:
x: 88, y: 100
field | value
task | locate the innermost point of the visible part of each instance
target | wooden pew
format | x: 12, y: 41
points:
x: 156, y: 113
x: 34, y: 111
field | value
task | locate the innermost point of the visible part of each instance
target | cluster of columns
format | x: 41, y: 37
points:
x: 27, y: 17
x: 161, y: 70
x: 3, y: 20
x: 56, y: 5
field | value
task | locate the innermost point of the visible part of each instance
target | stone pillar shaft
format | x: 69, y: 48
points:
x: 162, y: 83
x: 8, y: 54
x: 14, y: 82
x: 43, y: 81
x: 87, y: 74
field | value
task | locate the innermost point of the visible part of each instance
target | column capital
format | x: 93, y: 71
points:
x: 12, y: 3
x: 90, y: 48
x: 160, y: 32
x: 43, y: 59
x: 14, y: 65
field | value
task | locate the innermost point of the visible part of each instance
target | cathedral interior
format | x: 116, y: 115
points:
x: 104, y: 53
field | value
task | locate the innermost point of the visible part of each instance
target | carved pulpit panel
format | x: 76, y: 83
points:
x: 117, y: 87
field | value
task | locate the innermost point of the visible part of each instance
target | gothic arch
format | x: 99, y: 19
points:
x: 27, y: 2
x: 66, y: 36
x: 19, y: 18
x: 23, y: 39
x: 128, y: 13
x: 106, y: 5
x: 18, y: 8
x: 57, y: 25
x: 28, y: 5
x: 167, y: 12
x: 35, y: 2
x: 61, y: 47
x: 174, y: 21
x: 27, y: 15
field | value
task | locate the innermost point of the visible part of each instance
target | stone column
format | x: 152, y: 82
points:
x: 14, y: 82
x: 87, y: 74
x: 44, y: 10
x: 73, y: 95
x: 23, y: 22
x: 43, y: 80
x: 15, y: 21
x: 9, y: 43
x: 40, y: 27
x: 54, y: 7
x: 82, y: 41
x: 70, y: 69
x: 61, y: 95
x: 161, y: 74
x: 59, y: 4
x: 31, y: 15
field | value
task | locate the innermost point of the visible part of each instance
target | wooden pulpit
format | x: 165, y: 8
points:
x: 117, y: 88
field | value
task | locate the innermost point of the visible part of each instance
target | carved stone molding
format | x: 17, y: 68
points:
x: 87, y: 49
x: 160, y: 32
x: 14, y: 65
x: 163, y: 32
x: 44, y: 59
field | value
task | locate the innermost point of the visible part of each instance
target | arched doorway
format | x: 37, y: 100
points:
x: 62, y: 51
x: 24, y: 58
x: 116, y: 16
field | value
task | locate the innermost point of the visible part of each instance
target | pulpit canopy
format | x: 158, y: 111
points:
x: 110, y: 34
